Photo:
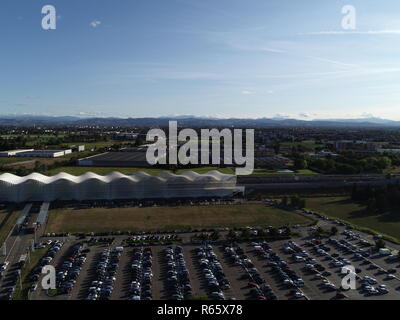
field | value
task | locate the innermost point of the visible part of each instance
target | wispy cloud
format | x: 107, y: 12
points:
x: 344, y: 32
x: 247, y: 92
x: 353, y: 72
x: 176, y: 75
x: 95, y: 23
x: 335, y: 62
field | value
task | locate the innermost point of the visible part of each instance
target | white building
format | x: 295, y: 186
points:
x: 13, y: 153
x: 80, y: 148
x: 44, y: 153
x: 90, y: 186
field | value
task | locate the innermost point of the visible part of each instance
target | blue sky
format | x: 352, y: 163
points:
x: 225, y: 58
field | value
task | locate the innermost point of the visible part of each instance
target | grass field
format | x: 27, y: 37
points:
x: 168, y: 218
x: 9, y: 223
x: 10, y: 160
x: 97, y: 145
x: 310, y: 144
x: 275, y: 172
x: 3, y: 215
x: 356, y: 213
x: 392, y: 170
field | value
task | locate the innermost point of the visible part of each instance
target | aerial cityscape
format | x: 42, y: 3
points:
x: 193, y: 150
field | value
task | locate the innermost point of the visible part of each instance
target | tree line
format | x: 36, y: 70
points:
x: 378, y: 199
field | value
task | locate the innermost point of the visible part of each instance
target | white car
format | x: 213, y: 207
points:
x: 337, y: 263
x: 299, y: 294
x: 382, y: 289
x: 299, y: 282
x: 4, y: 265
x: 298, y: 259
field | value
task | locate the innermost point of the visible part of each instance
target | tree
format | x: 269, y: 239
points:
x: 287, y: 231
x: 246, y: 233
x: 334, y: 230
x: 274, y: 232
x: 293, y: 201
x: 300, y: 164
x: 371, y: 205
x: 383, y: 162
x: 261, y: 233
x: 231, y: 234
x: 354, y: 192
x: 319, y: 231
x: 382, y: 203
x: 296, y: 201
x: 214, y: 236
x: 285, y: 201
x: 379, y: 244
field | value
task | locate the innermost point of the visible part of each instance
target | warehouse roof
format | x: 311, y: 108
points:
x: 165, y: 177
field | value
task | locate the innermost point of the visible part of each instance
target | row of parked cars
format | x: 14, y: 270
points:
x: 35, y: 272
x: 156, y: 237
x: 213, y: 273
x: 177, y: 274
x: 141, y: 273
x: 363, y: 255
x: 321, y: 273
x: 260, y: 290
x: 105, y: 276
x: 70, y: 268
x: 48, y: 257
x: 358, y: 254
x: 3, y: 268
x: 287, y: 276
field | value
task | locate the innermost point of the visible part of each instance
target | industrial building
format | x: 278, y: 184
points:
x: 13, y: 153
x: 90, y: 186
x: 44, y: 153
x: 80, y: 148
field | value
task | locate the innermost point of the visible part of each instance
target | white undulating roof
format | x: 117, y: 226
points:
x: 168, y: 177
x: 91, y: 186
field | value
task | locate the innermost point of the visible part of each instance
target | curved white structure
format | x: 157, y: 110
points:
x: 90, y: 186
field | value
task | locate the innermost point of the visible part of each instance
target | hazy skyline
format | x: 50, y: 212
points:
x: 219, y: 58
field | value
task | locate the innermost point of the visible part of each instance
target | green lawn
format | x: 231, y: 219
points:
x: 275, y: 172
x: 228, y: 170
x: 9, y: 223
x: 9, y: 160
x: 356, y: 213
x: 393, y: 170
x: 97, y: 145
x: 311, y: 144
x: 169, y: 218
x: 3, y: 214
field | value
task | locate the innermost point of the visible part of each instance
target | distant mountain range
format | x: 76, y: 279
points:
x: 191, y: 121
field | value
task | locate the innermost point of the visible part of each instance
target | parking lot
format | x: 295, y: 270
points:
x: 301, y: 268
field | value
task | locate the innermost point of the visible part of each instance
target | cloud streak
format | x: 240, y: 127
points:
x: 343, y: 32
x: 335, y: 62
